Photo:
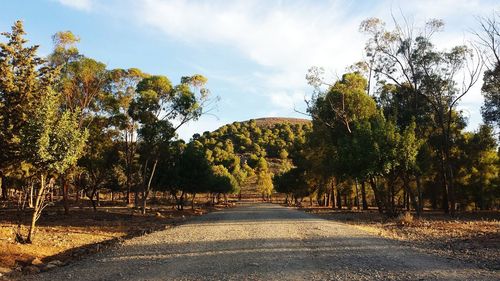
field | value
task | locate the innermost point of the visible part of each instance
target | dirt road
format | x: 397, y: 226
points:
x: 264, y: 242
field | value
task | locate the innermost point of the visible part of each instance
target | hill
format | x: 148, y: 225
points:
x: 269, y: 121
x: 241, y: 146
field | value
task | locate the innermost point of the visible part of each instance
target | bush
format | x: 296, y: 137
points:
x: 405, y: 218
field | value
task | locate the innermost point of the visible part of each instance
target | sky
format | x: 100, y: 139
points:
x: 255, y: 54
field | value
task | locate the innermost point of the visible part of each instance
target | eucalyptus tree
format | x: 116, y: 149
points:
x: 161, y: 109
x: 488, y: 37
x: 122, y: 86
x: 65, y: 50
x: 100, y: 163
x: 334, y: 111
x: 83, y: 86
x: 407, y: 58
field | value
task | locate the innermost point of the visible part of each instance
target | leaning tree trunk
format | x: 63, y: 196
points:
x: 192, y: 201
x: 147, y: 188
x: 377, y: 195
x: 91, y: 197
x: 37, y: 209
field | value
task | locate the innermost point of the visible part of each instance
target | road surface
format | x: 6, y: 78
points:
x: 264, y: 242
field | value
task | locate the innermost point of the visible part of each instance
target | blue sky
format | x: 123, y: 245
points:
x: 254, y: 53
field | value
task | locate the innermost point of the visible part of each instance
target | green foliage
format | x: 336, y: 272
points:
x: 24, y: 78
x: 52, y: 141
x: 265, y: 182
x: 222, y: 181
x: 491, y: 92
x: 194, y: 171
x: 292, y: 182
x: 65, y: 50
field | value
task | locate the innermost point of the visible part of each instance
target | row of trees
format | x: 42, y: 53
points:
x: 71, y: 126
x: 68, y: 122
x: 393, y: 124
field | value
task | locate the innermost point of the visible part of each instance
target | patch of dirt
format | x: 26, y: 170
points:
x: 64, y: 238
x: 471, y: 237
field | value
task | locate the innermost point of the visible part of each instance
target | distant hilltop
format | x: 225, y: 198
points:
x: 269, y: 121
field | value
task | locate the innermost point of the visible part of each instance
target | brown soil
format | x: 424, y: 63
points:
x: 82, y: 232
x: 471, y: 237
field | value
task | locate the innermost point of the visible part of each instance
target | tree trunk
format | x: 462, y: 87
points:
x: 334, y: 194
x: 77, y: 195
x: 357, y: 195
x: 451, y: 189
x: 91, y: 197
x: 327, y: 198
x: 444, y: 190
x: 4, y: 188
x: 363, y: 195
x: 147, y: 188
x: 192, y: 201
x: 136, y: 199
x: 180, y: 202
x: 420, y: 204
x: 36, y: 210
x: 65, y: 189
x: 32, y: 188
x: 339, y: 199
x: 377, y: 195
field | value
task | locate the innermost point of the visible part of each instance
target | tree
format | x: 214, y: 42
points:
x: 292, y: 182
x: 52, y: 143
x: 101, y: 159
x: 491, y: 91
x: 480, y: 170
x: 407, y: 58
x: 82, y: 82
x: 65, y: 50
x: 193, y: 173
x: 264, y: 179
x: 489, y: 39
x: 222, y: 181
x: 23, y: 79
x: 123, y: 85
x: 36, y: 134
x: 156, y: 108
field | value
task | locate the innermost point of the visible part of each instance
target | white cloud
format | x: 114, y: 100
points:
x: 285, y: 38
x: 84, y: 5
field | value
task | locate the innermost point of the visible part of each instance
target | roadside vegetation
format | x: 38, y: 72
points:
x: 93, y: 152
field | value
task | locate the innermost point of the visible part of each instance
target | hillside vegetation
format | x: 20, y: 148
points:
x: 253, y: 151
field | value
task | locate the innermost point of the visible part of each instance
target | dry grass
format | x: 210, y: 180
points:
x: 473, y: 237
x: 270, y: 121
x: 63, y: 238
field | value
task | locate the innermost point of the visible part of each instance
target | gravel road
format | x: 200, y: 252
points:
x: 264, y: 242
